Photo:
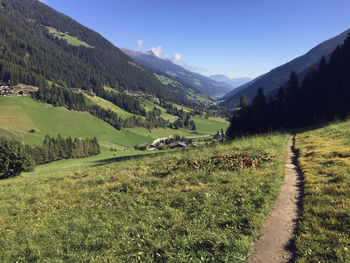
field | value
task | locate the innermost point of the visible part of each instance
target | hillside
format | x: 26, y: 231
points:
x: 273, y: 80
x: 324, y: 232
x: 322, y: 96
x: 165, y: 66
x: 20, y: 114
x: 146, y: 210
x: 38, y: 43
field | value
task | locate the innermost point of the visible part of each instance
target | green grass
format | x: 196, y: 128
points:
x: 162, y: 133
x: 20, y: 114
x: 149, y: 106
x: 109, y: 105
x: 64, y: 166
x: 324, y: 158
x: 70, y: 39
x: 167, y: 81
x: 174, y: 207
x: 209, y: 126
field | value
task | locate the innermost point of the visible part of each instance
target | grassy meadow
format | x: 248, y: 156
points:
x: 108, y: 106
x: 200, y: 205
x: 324, y: 158
x: 70, y: 39
x: 20, y: 114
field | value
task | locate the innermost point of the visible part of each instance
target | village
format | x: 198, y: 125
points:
x: 20, y: 89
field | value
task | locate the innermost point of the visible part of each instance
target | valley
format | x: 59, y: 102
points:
x: 174, y: 132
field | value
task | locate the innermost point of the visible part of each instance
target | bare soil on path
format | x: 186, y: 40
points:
x: 277, y: 240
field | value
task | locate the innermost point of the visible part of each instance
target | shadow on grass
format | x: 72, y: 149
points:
x: 125, y: 158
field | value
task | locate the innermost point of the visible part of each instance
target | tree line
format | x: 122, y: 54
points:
x: 322, y: 96
x: 16, y: 157
x: 184, y: 118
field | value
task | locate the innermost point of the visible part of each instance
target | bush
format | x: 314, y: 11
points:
x: 14, y: 159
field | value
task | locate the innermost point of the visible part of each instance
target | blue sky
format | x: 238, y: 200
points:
x: 239, y: 38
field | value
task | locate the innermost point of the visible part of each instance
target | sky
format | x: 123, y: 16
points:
x: 238, y: 38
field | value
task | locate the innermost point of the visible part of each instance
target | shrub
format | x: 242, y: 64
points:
x: 14, y: 159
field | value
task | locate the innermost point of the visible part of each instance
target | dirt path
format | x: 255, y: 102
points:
x: 276, y: 243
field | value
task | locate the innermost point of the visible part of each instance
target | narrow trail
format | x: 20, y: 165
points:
x: 277, y: 241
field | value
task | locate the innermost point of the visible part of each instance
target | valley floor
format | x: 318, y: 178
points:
x: 200, y: 205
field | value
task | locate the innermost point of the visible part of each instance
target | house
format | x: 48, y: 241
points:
x: 148, y: 147
x: 6, y: 90
x: 177, y: 144
x: 23, y: 92
x: 76, y: 89
x: 89, y: 93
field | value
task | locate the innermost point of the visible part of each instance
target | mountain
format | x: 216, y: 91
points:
x: 234, y: 83
x: 39, y: 44
x: 277, y: 77
x: 322, y: 97
x: 204, y: 84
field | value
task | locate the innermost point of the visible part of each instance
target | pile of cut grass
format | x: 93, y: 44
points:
x: 130, y: 212
x: 324, y: 157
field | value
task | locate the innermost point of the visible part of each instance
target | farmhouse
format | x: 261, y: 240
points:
x: 6, y: 90
x: 76, y: 89
x: 91, y: 94
x: 177, y: 144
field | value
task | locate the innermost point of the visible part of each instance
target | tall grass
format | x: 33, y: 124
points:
x: 324, y: 157
x: 163, y: 208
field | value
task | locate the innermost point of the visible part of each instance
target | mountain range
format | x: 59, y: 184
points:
x: 40, y: 45
x: 197, y: 81
x: 273, y: 80
x: 233, y: 82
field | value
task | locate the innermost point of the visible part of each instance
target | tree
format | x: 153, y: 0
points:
x: 14, y: 159
x: 243, y: 102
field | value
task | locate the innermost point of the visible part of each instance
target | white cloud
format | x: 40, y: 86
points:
x: 43, y: 1
x: 139, y: 43
x: 177, y: 58
x: 157, y: 51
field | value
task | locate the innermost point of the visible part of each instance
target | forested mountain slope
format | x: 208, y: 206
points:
x: 38, y: 43
x: 273, y: 80
x: 322, y: 96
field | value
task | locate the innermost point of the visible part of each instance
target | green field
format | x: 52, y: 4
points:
x: 174, y: 207
x: 108, y: 106
x: 210, y: 126
x: 20, y: 114
x: 149, y: 106
x: 167, y: 81
x: 324, y: 158
x: 70, y: 39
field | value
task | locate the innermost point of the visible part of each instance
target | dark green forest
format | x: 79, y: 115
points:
x: 31, y: 55
x: 322, y: 96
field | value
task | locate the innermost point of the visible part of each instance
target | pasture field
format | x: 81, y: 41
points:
x: 20, y: 114
x: 70, y: 39
x: 201, y: 205
x: 149, y: 106
x: 210, y: 125
x: 324, y: 158
x: 108, y: 106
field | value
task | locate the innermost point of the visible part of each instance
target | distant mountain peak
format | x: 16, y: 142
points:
x: 165, y: 65
x: 233, y: 82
